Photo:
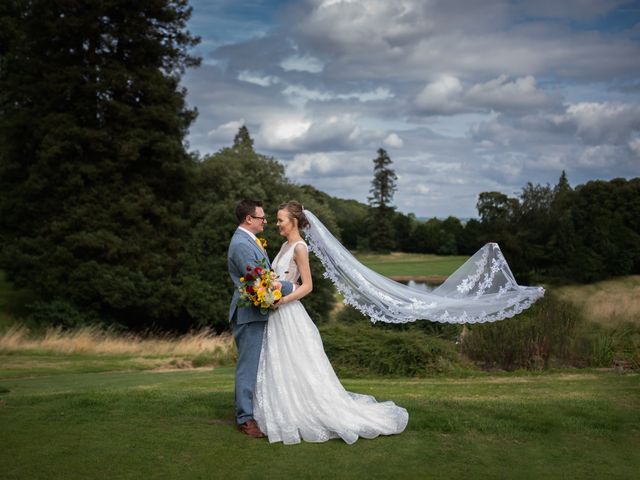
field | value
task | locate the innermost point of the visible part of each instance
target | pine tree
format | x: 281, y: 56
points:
x: 563, y: 242
x: 383, y: 186
x: 94, y: 173
x: 563, y: 183
x: 242, y: 140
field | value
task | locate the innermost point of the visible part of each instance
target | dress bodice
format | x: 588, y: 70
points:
x: 284, y: 263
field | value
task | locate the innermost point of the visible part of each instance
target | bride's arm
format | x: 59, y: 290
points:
x: 301, y: 257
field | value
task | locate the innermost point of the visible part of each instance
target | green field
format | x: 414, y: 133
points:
x: 178, y: 424
x: 412, y: 264
x: 83, y: 404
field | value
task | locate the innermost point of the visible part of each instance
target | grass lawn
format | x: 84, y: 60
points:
x: 179, y: 424
x: 412, y: 264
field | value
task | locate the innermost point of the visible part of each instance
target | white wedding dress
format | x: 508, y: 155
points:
x: 298, y: 395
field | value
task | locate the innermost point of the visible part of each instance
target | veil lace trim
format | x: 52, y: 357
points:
x: 483, y: 289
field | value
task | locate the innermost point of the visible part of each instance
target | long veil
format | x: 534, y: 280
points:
x: 483, y: 289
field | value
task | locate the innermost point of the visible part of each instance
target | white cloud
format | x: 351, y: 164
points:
x: 422, y: 189
x: 298, y: 133
x: 226, y: 131
x: 599, y: 156
x: 301, y: 94
x: 257, y: 79
x: 442, y: 96
x: 306, y: 166
x: 503, y: 94
x: 448, y: 96
x: 298, y: 92
x: 592, y: 123
x: 606, y: 122
x: 281, y: 133
x: 304, y: 63
x: 393, y: 140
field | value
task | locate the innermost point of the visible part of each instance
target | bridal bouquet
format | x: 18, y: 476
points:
x: 260, y: 288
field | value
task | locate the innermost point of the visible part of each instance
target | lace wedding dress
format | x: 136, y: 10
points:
x: 298, y: 395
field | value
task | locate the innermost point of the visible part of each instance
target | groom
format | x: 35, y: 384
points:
x: 247, y: 323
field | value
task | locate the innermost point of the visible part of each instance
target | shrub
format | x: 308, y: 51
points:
x: 608, y: 345
x: 350, y: 315
x: 61, y: 313
x: 362, y: 349
x: 530, y: 340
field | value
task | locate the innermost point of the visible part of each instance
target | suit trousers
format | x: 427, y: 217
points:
x: 248, y: 338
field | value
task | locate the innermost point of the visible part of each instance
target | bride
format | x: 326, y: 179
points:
x: 298, y: 395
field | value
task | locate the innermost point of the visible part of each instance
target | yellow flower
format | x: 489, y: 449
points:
x: 241, y: 279
x: 277, y: 294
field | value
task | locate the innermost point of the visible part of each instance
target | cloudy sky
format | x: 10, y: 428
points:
x: 466, y: 96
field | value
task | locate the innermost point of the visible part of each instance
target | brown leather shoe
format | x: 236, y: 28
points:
x: 250, y: 427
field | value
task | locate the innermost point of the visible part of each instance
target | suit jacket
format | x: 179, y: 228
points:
x: 243, y: 251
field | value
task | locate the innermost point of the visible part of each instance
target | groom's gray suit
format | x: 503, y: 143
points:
x: 247, y: 323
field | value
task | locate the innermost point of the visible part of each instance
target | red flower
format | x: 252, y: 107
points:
x: 249, y: 278
x: 250, y: 289
x: 248, y: 268
x: 258, y: 270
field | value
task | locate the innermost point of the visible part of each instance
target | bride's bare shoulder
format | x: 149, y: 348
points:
x: 300, y: 246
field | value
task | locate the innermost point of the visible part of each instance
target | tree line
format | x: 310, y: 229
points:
x: 547, y: 233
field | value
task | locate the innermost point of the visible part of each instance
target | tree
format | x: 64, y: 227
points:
x: 383, y: 186
x: 563, y: 184
x: 242, y: 140
x: 403, y: 226
x: 470, y: 238
x: 496, y: 207
x: 95, y: 177
x: 586, y: 234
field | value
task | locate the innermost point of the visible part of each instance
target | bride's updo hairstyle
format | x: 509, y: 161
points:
x: 295, y: 210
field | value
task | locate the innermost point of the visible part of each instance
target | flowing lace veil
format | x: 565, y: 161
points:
x: 483, y: 289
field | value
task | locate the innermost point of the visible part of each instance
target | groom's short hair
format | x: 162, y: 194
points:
x: 246, y: 207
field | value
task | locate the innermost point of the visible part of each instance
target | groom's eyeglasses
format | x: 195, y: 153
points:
x: 264, y: 219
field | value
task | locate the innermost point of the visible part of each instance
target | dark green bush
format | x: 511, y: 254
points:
x: 363, y: 349
x: 60, y: 313
x: 350, y: 315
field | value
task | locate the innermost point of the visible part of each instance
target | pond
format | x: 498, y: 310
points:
x: 422, y: 286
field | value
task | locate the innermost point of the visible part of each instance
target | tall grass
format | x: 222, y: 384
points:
x: 531, y: 340
x: 93, y: 340
x: 615, y: 345
x: 608, y: 302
